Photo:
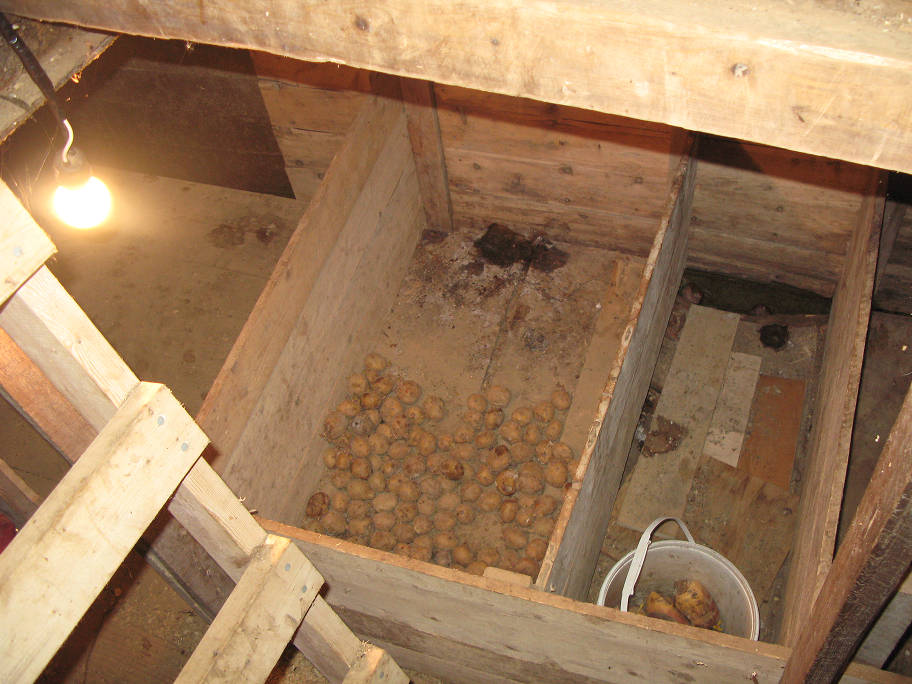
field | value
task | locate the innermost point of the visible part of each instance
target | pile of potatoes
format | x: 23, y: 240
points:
x: 485, y: 492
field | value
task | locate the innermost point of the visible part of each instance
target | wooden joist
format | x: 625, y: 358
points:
x: 375, y: 665
x: 96, y: 514
x: 811, y: 78
x: 24, y: 247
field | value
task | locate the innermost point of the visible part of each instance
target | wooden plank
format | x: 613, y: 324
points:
x: 889, y: 628
x: 571, y: 556
x: 96, y: 513
x: 451, y: 617
x: 894, y: 214
x: 24, y: 247
x: 54, y: 332
x: 350, y: 297
x: 818, y: 80
x: 250, y: 632
x: 375, y: 665
x: 870, y: 564
x: 824, y: 479
x: 774, y: 429
x: 427, y: 146
x: 16, y: 497
x: 658, y: 485
x: 238, y: 387
x: 42, y: 404
x: 729, y: 419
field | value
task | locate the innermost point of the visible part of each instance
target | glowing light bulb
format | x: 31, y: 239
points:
x: 83, y: 206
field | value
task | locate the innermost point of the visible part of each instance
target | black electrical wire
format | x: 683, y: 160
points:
x: 32, y: 67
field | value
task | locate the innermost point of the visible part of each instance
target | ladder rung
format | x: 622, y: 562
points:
x: 69, y: 549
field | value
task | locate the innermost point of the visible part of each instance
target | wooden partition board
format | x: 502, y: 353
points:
x: 573, y: 549
x: 821, y: 498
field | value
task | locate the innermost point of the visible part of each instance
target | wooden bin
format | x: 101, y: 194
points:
x: 406, y: 166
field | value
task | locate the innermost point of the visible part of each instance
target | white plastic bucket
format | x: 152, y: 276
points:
x: 669, y: 561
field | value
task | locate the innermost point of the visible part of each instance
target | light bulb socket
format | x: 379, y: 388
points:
x: 73, y: 170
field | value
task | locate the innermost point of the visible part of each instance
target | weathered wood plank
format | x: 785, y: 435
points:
x: 729, y: 420
x: 24, y: 247
x: 251, y: 630
x: 96, y: 513
x: 375, y: 665
x: 16, y: 497
x: 821, y: 498
x: 889, y: 628
x: 871, y: 562
x: 814, y: 79
x: 572, y: 555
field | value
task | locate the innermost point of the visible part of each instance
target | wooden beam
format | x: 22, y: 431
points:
x: 814, y: 542
x: 889, y: 629
x: 427, y: 146
x: 24, y: 247
x: 813, y: 79
x: 375, y: 665
x: 871, y: 562
x: 16, y: 497
x: 95, y: 514
x: 251, y: 630
x: 894, y: 213
x: 571, y: 556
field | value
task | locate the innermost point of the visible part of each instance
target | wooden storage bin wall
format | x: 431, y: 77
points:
x: 311, y: 328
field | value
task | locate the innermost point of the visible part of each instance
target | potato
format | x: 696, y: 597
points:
x: 333, y: 522
x: 544, y: 451
x: 522, y: 415
x: 349, y: 407
x: 408, y: 391
x: 357, y: 383
x: 526, y: 566
x: 476, y: 568
x: 556, y: 474
x: 371, y: 400
x: 340, y: 478
x: 531, y: 435
x: 435, y: 462
x: 375, y: 461
x: 359, y: 489
x: 560, y: 399
x: 358, y: 509
x: 422, y: 524
x: 485, y: 439
x: 361, y: 468
x: 375, y: 362
x: 426, y: 443
x: 383, y: 384
x: 404, y: 533
x: 468, y: 473
x: 506, y: 482
x: 498, y: 458
x: 420, y: 552
x: 385, y: 502
x: 497, y: 396
x: 384, y: 520
x: 339, y: 501
x: 385, y: 431
x: 553, y: 430
x: 433, y: 408
x: 525, y: 516
x: 489, y: 501
x: 329, y: 458
x: 401, y: 427
x: 488, y: 555
x: 544, y: 505
x: 399, y: 450
x: 431, y: 487
x: 383, y: 540
x: 406, y: 511
x: 463, y: 555
x: 360, y: 447
x: 696, y: 603
x: 536, y: 549
x: 543, y: 527
x: 484, y: 475
x: 563, y: 452
x: 414, y: 465
x: 408, y: 491
x: 372, y: 375
x: 465, y: 513
x: 390, y: 409
x: 317, y: 505
x: 360, y: 527
x: 531, y: 478
x: 477, y: 402
x: 511, y: 431
x: 445, y: 540
x: 445, y: 441
x: 448, y: 501
x: 415, y: 415
x: 334, y: 425
x: 543, y: 411
x: 470, y: 491
x: 514, y: 537
x: 444, y: 521
x: 464, y: 433
x: 401, y: 548
x: 520, y: 453
x: 465, y: 452
x: 427, y: 505
x: 443, y: 557
x: 378, y: 444
x: 377, y: 482
x: 657, y: 606
x: 452, y: 469
x: 526, y: 500
x: 396, y: 482
x: 508, y: 510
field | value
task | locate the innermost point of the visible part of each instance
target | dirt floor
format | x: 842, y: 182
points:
x: 171, y: 284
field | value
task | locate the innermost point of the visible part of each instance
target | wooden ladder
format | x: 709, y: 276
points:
x: 146, y: 455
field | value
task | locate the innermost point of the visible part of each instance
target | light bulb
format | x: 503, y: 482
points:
x: 83, y: 206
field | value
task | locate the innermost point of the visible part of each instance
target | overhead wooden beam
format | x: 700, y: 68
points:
x: 810, y: 78
x: 872, y: 561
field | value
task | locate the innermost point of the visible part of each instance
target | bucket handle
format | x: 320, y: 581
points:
x: 639, y: 556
